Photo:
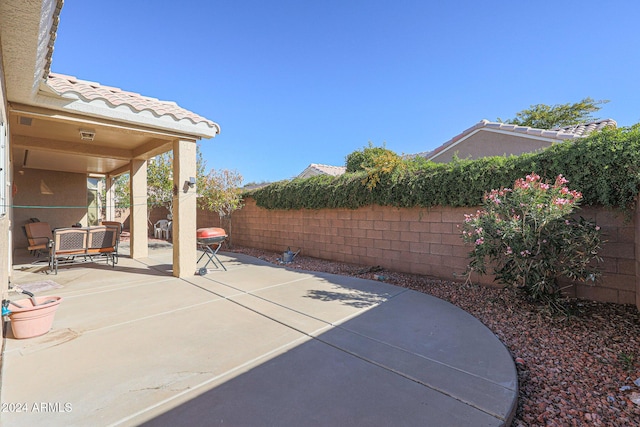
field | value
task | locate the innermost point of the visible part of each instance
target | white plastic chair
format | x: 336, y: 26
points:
x: 161, y: 227
x: 167, y: 232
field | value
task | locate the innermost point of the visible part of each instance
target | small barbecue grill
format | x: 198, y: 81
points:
x: 208, y: 237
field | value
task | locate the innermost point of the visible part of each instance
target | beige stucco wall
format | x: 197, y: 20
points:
x: 485, y: 143
x: 59, y: 198
x: 5, y: 220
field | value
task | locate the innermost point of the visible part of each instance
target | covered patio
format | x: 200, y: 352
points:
x: 57, y: 132
x: 255, y: 345
x: 79, y: 130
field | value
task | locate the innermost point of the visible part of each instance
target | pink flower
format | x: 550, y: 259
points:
x: 533, y: 177
x: 544, y: 186
x: 479, y: 241
x: 509, y: 250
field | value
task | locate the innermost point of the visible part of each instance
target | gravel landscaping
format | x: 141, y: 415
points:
x: 579, y: 369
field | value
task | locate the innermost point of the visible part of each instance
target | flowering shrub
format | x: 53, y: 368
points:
x: 530, y: 238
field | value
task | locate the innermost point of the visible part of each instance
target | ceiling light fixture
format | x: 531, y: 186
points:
x: 87, y: 135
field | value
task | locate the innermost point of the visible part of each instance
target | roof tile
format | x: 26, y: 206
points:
x: 91, y: 91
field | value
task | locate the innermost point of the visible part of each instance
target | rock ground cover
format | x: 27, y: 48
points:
x: 577, y: 369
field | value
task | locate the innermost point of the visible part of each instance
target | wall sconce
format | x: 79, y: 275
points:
x: 189, y: 184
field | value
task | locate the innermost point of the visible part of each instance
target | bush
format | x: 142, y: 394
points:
x: 604, y: 167
x: 530, y: 238
x: 367, y: 158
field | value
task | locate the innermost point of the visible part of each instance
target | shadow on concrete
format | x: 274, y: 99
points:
x: 412, y: 360
x: 354, y: 298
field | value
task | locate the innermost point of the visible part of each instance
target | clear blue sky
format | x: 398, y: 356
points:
x: 294, y: 82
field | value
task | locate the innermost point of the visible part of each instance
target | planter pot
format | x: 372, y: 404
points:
x: 32, y: 321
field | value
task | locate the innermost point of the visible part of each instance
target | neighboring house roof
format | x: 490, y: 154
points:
x: 550, y: 135
x: 115, y: 99
x: 585, y: 129
x: 317, y: 169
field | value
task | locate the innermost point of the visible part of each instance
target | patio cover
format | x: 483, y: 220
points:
x: 60, y: 123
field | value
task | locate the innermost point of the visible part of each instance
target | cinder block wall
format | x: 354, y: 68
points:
x: 419, y: 240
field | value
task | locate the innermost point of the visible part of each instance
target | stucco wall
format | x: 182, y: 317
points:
x: 423, y: 241
x: 59, y: 198
x: 485, y: 143
x: 5, y: 219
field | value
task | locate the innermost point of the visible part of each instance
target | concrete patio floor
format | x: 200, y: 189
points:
x: 257, y: 345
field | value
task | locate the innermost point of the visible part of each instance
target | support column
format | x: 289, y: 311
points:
x: 184, y: 209
x: 138, y: 214
x: 110, y: 195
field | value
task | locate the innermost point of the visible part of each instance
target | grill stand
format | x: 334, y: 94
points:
x: 205, y: 245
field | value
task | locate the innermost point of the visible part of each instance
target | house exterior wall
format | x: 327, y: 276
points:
x: 486, y: 143
x: 5, y: 181
x: 423, y: 241
x: 60, y: 199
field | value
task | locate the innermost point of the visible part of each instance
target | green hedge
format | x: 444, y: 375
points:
x: 605, y: 167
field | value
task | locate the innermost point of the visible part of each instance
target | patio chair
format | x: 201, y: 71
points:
x: 39, y: 236
x: 161, y: 228
x: 102, y: 242
x: 116, y: 224
x: 169, y: 230
x: 68, y: 243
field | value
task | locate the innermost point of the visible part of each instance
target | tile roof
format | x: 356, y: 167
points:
x: 585, y: 129
x: 115, y: 97
x: 53, y: 33
x: 560, y: 134
x: 318, y: 169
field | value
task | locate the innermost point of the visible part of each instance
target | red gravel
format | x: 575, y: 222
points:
x: 570, y: 367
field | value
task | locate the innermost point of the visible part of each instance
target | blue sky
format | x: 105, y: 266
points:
x: 294, y: 82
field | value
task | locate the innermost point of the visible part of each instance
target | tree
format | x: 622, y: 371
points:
x: 160, y: 180
x: 544, y: 116
x: 376, y: 162
x: 160, y: 183
x: 368, y: 157
x: 219, y: 191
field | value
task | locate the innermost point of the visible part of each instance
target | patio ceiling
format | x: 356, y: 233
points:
x: 52, y: 140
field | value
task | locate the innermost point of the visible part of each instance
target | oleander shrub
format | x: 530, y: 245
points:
x: 530, y: 237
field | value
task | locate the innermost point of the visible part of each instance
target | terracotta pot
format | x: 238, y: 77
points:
x: 30, y: 321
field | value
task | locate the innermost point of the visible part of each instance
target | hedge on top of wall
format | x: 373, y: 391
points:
x: 605, y: 167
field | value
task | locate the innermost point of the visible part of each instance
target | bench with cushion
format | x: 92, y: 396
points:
x: 80, y: 245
